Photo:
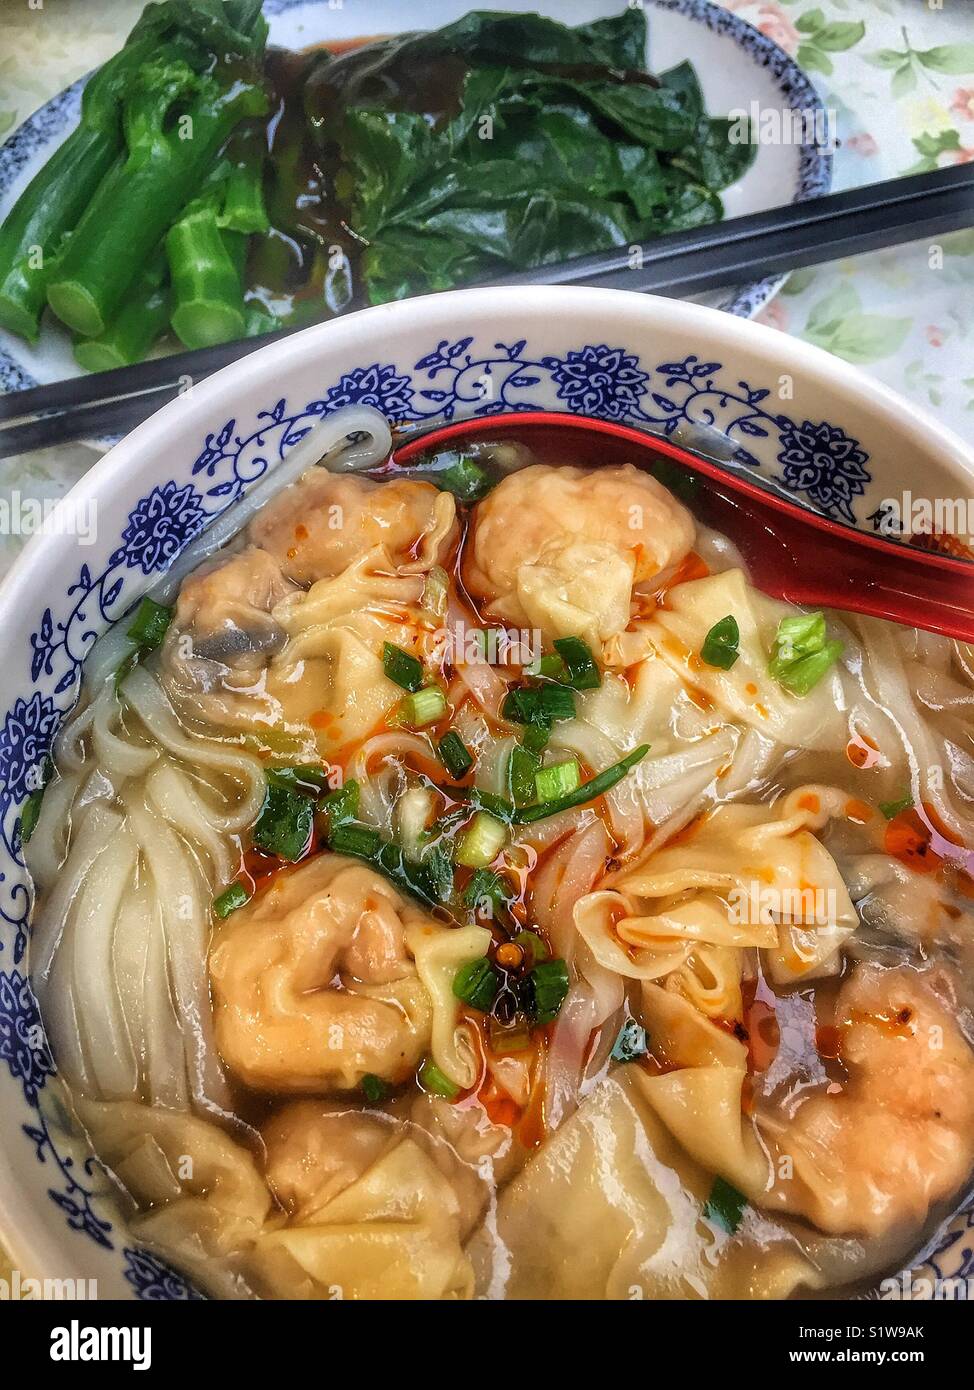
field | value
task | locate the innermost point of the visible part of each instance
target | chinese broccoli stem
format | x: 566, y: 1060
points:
x: 136, y: 203
x: 141, y: 320
x: 205, y: 266
x: 54, y: 200
x: 244, y: 209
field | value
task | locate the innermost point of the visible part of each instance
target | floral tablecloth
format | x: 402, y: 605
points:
x: 899, y: 75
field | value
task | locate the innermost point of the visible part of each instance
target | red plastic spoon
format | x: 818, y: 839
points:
x: 791, y: 553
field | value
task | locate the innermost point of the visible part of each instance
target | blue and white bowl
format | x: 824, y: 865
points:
x: 792, y: 414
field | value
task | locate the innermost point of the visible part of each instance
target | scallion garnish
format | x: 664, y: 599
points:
x: 402, y: 669
x: 891, y: 809
x: 486, y: 891
x: 309, y: 779
x: 422, y: 707
x: 551, y: 667
x: 631, y: 1042
x: 557, y: 780
x: 721, y: 646
x: 535, y: 737
x: 477, y: 984
x: 549, y: 983
x: 802, y: 653
x: 432, y: 1079
x: 725, y: 1206
x: 481, y: 842
x: 341, y: 805
x: 232, y: 898
x: 147, y: 629
x: 149, y: 626
x: 31, y: 812
x: 521, y: 769
x: 285, y: 823
x: 454, y: 754
x: 374, y: 1088
x: 582, y: 672
x: 389, y: 858
x: 438, y: 869
x: 538, y: 704
x: 588, y: 791
x: 465, y: 479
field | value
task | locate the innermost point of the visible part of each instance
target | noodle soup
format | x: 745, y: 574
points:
x: 459, y: 881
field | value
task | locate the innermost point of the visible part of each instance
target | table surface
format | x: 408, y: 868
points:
x: 899, y: 75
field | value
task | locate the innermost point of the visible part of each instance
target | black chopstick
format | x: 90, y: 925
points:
x: 677, y: 264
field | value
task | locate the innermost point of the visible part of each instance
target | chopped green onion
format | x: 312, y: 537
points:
x: 465, y: 479
x: 583, y: 673
x: 721, y: 646
x: 557, y: 703
x: 802, y: 655
x: 894, y: 808
x: 533, y: 947
x: 588, y: 791
x: 631, y: 1042
x: 535, y: 737
x: 231, y: 898
x: 725, y: 1206
x: 30, y: 815
x: 436, y: 592
x: 509, y: 1037
x: 551, y: 667
x: 341, y: 805
x: 285, y: 823
x: 454, y: 754
x: 149, y: 625
x: 521, y: 769
x: 549, y: 980
x: 402, y: 669
x: 477, y: 984
x: 311, y: 780
x: 147, y: 630
x: 423, y: 707
x: 481, y: 842
x: 486, y: 887
x: 374, y: 1087
x: 360, y: 840
x: 432, y: 1079
x: 557, y: 780
x: 438, y: 868
x: 538, y: 704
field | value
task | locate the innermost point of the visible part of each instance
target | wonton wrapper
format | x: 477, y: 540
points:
x: 772, y: 869
x: 610, y: 1208
x: 205, y: 1201
x: 370, y: 1214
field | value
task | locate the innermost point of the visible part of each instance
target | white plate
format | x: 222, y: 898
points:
x: 736, y: 66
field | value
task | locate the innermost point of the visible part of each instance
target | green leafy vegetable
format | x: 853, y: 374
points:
x: 486, y: 887
x: 521, y: 770
x: 721, y: 646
